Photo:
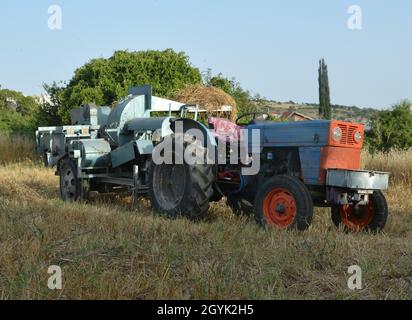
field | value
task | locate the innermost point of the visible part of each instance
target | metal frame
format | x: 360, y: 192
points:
x: 357, y: 179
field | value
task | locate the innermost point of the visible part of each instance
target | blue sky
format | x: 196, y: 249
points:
x: 271, y: 47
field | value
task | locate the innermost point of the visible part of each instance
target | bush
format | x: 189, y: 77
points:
x: 391, y: 129
x: 18, y: 114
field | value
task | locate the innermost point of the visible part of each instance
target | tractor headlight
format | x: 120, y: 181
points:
x: 337, y: 134
x: 358, y: 137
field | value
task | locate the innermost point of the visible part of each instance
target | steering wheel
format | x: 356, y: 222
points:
x: 262, y: 116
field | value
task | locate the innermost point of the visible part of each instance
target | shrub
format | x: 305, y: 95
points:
x: 391, y: 129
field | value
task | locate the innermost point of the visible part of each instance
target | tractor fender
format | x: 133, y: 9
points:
x: 188, y: 124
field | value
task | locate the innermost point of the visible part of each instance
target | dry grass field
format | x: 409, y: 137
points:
x: 108, y: 251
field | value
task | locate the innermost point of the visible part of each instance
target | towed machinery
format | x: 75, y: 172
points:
x: 276, y: 171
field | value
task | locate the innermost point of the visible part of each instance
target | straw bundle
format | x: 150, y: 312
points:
x: 209, y: 98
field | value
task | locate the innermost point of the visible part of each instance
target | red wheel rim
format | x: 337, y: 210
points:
x: 359, y: 219
x: 279, y: 208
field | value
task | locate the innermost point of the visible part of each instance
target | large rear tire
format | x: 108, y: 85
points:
x: 371, y: 217
x: 284, y: 202
x: 182, y: 189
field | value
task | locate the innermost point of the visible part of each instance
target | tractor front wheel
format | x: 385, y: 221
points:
x: 284, y: 202
x: 371, y: 217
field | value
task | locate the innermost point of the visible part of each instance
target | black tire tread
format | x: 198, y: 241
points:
x: 195, y: 205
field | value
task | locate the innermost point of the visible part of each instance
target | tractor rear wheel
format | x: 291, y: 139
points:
x: 284, y: 202
x: 371, y: 217
x: 182, y: 189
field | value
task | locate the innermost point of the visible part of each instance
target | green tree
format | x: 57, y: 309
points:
x: 50, y: 109
x: 391, y: 129
x: 325, y: 110
x: 231, y: 86
x: 18, y: 113
x: 105, y: 81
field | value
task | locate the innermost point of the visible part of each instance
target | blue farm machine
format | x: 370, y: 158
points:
x: 277, y: 171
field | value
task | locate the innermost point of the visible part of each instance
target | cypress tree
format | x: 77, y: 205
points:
x: 320, y: 73
x: 325, y: 111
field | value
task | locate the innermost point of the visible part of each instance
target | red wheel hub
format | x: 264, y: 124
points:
x: 357, y: 218
x: 279, y: 208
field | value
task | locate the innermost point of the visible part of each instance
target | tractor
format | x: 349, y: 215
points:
x: 157, y: 148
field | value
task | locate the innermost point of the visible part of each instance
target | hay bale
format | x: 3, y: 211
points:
x: 209, y: 98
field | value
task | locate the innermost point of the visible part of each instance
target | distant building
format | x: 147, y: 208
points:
x: 12, y: 104
x: 292, y: 116
x: 42, y: 99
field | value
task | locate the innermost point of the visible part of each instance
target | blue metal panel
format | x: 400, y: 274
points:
x: 146, y: 124
x: 95, y: 152
x: 144, y: 146
x: 103, y: 114
x: 294, y: 134
x: 123, y: 154
x: 90, y: 115
x: 310, y: 164
x: 127, y: 153
x: 128, y: 109
x: 145, y: 91
x: 255, y: 139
